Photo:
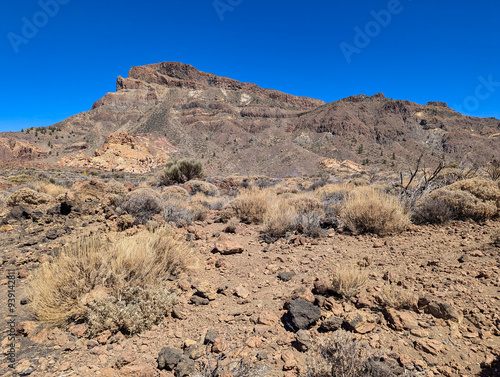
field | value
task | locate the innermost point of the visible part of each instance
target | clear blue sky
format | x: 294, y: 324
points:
x: 428, y: 50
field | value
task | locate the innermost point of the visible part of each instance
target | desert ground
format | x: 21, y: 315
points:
x: 347, y: 274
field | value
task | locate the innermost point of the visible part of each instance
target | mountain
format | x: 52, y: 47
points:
x: 172, y: 109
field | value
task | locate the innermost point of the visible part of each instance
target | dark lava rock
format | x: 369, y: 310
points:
x: 286, y: 275
x: 301, y: 315
x: 169, y: 358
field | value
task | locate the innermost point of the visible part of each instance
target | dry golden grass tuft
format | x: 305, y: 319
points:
x: 348, y: 281
x: 59, y: 290
x: 232, y: 225
x: 50, y: 188
x: 280, y: 219
x: 368, y: 210
x: 398, y: 298
x: 250, y: 206
x: 484, y: 189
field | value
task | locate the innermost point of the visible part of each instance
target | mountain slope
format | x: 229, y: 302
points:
x: 173, y: 109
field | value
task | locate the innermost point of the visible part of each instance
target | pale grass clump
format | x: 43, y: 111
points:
x: 280, y: 219
x: 115, y: 187
x: 348, y: 281
x: 484, y: 189
x: 250, y: 206
x: 58, y: 290
x: 342, y: 355
x: 368, y: 210
x: 398, y: 298
x: 174, y: 192
x: 50, y: 188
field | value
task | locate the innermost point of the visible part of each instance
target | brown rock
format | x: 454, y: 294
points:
x: 79, y: 330
x: 253, y: 342
x: 429, y: 345
x: 289, y: 359
x: 400, y: 320
x: 228, y: 247
x: 266, y: 317
x: 98, y: 293
x: 139, y: 369
x: 241, y: 291
x: 103, y: 337
x: 359, y: 322
x: 219, y: 345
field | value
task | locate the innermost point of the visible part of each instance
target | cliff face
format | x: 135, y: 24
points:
x: 236, y: 127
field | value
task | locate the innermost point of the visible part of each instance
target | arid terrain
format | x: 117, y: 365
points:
x: 423, y: 300
x: 192, y: 225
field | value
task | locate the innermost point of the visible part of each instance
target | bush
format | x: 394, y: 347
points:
x: 369, y: 210
x: 181, y: 171
x: 174, y: 192
x: 495, y: 237
x: 280, y: 219
x: 444, y: 204
x: 432, y: 210
x: 115, y: 187
x: 203, y: 187
x: 398, y: 298
x: 143, y: 205
x: 50, y: 188
x: 250, y: 207
x: 348, y: 281
x: 128, y: 271
x: 341, y: 355
x: 178, y: 213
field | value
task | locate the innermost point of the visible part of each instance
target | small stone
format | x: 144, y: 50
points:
x: 228, y: 248
x: 303, y: 341
x: 429, y: 345
x: 219, y: 345
x: 289, y: 359
x: 400, y: 320
x: 332, y: 323
x: 286, y: 275
x: 197, y: 300
x: 26, y: 328
x: 359, y: 322
x: 103, y: 337
x: 178, y: 312
x: 79, y: 330
x: 210, y: 336
x: 253, y: 342
x: 185, y: 368
x: 168, y: 358
x: 241, y: 291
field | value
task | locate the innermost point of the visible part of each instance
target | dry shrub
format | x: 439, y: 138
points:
x: 50, y: 188
x: 348, y: 281
x: 341, y: 355
x: 20, y: 179
x: 28, y: 196
x: 250, y: 206
x: 280, y: 219
x: 443, y: 203
x: 143, y: 204
x: 493, y: 170
x: 356, y: 182
x: 231, y: 225
x: 369, y: 210
x: 89, y: 189
x: 483, y: 189
x: 115, y: 187
x: 174, y: 192
x: 305, y: 203
x: 432, y: 210
x: 199, y: 211
x: 128, y: 271
x: 178, y: 212
x: 203, y: 187
x: 115, y: 199
x: 398, y: 298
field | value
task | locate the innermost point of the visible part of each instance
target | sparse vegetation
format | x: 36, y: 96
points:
x: 368, y: 210
x: 341, y: 355
x: 109, y: 285
x: 143, y: 205
x: 348, y: 281
x: 250, y: 207
x: 398, y: 298
x: 181, y: 171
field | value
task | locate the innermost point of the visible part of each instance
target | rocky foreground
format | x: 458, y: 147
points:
x: 265, y: 303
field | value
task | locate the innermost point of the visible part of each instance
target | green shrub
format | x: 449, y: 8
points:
x: 181, y: 171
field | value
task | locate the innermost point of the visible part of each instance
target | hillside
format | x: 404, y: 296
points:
x: 239, y: 128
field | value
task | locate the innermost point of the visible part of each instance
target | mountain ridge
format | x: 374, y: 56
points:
x: 236, y: 127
